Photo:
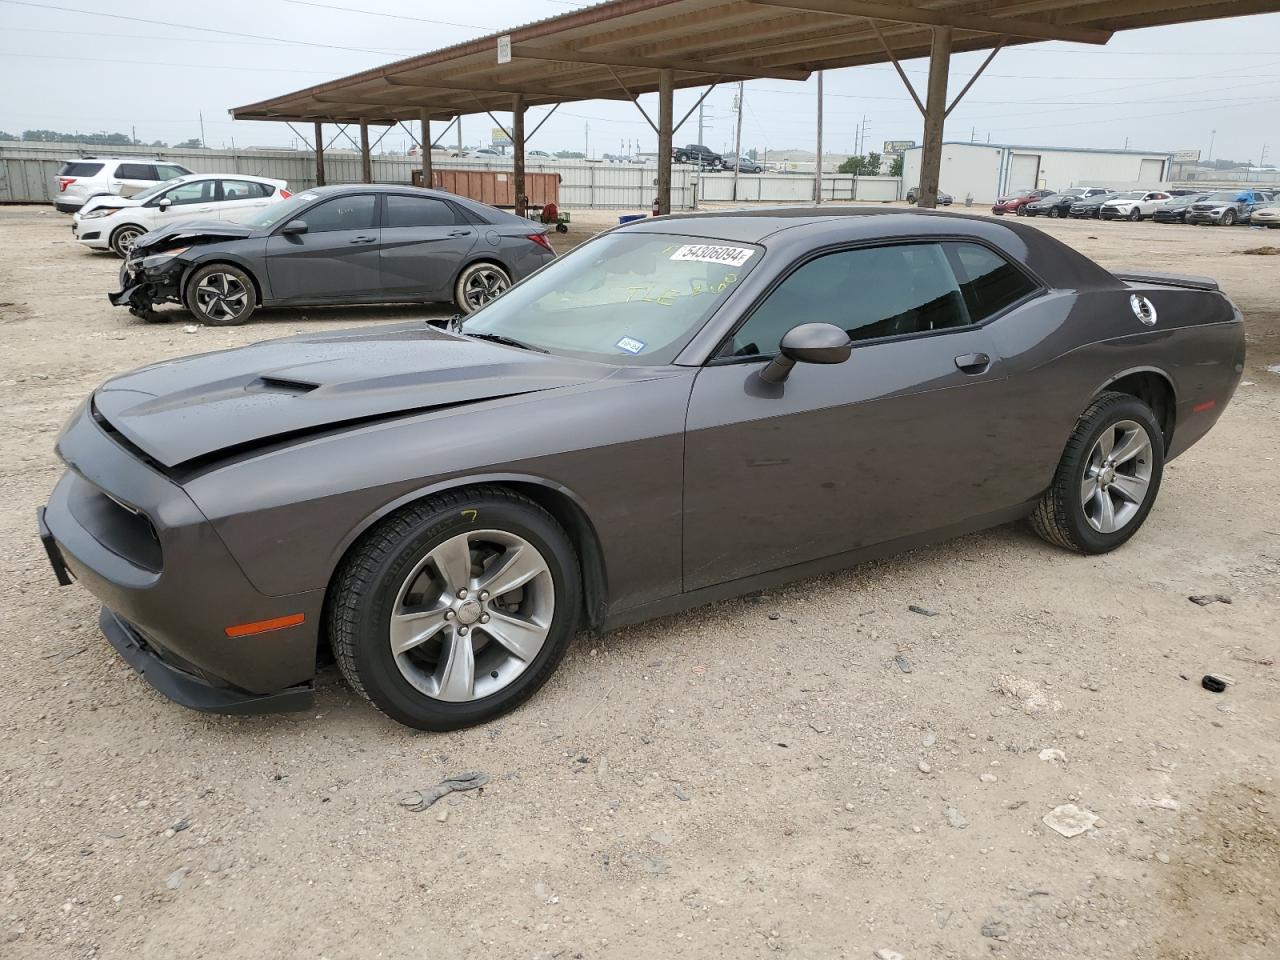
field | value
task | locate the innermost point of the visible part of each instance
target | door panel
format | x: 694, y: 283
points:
x: 897, y: 440
x: 195, y: 200
x: 336, y: 257
x: 423, y: 244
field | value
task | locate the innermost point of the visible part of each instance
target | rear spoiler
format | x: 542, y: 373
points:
x: 1170, y: 280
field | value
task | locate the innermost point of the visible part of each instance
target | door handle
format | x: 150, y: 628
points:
x: 973, y: 363
x: 364, y: 240
x: 459, y: 233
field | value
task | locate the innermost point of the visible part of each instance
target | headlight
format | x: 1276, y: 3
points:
x: 99, y: 212
x: 158, y: 259
x: 1219, y: 211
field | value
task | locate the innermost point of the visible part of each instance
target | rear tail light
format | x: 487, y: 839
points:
x: 541, y: 240
x: 285, y: 194
x: 64, y: 182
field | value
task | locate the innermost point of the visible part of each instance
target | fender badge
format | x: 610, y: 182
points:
x: 1143, y: 309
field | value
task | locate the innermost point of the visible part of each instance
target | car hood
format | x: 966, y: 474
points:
x: 198, y: 231
x: 112, y: 201
x: 192, y: 408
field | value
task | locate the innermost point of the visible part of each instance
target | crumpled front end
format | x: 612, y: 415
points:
x: 146, y: 282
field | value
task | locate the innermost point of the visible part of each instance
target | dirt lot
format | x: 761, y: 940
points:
x: 754, y: 779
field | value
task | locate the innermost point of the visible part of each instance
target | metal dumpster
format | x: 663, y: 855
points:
x: 495, y: 187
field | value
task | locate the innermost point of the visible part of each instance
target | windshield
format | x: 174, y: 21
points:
x: 1073, y: 192
x: 1226, y: 196
x: 1128, y: 195
x: 626, y: 298
x: 279, y: 212
x: 150, y: 192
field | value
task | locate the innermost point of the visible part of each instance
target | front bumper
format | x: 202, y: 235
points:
x: 147, y: 282
x: 135, y: 540
x: 1195, y: 216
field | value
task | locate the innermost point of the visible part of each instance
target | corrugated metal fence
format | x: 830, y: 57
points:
x: 797, y: 187
x: 27, y: 171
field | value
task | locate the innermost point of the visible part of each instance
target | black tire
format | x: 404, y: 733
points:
x: 1135, y: 215
x: 123, y: 236
x: 235, y: 308
x: 1229, y: 218
x: 367, y: 584
x: 562, y: 228
x: 471, y: 273
x: 1060, y: 516
x: 1021, y: 211
x: 1054, y: 213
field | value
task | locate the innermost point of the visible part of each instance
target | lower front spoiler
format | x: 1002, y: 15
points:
x: 189, y: 690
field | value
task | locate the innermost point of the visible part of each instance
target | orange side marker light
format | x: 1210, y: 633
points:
x: 1202, y: 407
x: 264, y: 626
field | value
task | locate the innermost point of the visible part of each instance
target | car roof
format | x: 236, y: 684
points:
x: 757, y: 225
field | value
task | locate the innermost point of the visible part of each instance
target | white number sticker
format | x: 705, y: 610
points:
x: 710, y: 253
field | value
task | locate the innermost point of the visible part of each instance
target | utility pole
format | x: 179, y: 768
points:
x: 1212, y: 134
x: 817, y: 167
x: 203, y: 144
x: 700, y: 123
x: 459, y: 119
x: 586, y: 138
x: 737, y: 138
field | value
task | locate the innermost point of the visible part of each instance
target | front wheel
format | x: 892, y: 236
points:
x: 1107, y: 479
x: 478, y: 284
x: 1229, y: 218
x: 1135, y: 215
x: 123, y: 238
x: 221, y: 295
x: 455, y: 610
x: 1054, y: 212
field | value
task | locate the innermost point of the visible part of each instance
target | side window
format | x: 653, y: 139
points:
x: 200, y: 191
x: 342, y: 213
x: 136, y: 171
x: 401, y: 211
x: 990, y: 283
x: 168, y: 171
x: 244, y: 190
x: 871, y: 292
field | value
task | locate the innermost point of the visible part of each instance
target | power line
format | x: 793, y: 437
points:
x: 390, y: 16
x: 186, y: 26
x: 159, y: 63
x: 391, y: 51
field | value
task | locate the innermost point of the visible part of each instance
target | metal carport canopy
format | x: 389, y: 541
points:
x: 621, y: 49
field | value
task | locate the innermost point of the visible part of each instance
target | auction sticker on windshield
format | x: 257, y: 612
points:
x: 711, y: 253
x: 631, y: 345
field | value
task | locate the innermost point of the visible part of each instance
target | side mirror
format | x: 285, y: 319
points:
x: 293, y: 228
x: 808, y: 343
x: 164, y: 203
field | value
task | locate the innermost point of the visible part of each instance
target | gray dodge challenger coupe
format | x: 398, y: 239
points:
x: 680, y: 410
x: 334, y: 245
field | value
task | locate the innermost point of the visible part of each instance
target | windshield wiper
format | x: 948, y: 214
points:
x: 505, y: 341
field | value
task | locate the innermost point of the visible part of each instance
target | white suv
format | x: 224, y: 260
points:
x: 115, y: 222
x: 79, y: 180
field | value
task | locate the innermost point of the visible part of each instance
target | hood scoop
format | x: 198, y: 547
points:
x: 271, y: 384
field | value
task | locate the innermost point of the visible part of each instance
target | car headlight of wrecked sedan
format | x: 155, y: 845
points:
x: 163, y: 257
x: 99, y: 212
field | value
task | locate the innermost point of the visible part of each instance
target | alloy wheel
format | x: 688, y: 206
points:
x: 221, y: 297
x: 125, y: 239
x: 472, y: 615
x: 485, y: 284
x: 1117, y: 476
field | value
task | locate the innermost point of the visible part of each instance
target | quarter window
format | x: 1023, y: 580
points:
x: 170, y: 171
x: 342, y: 213
x: 871, y: 292
x: 417, y: 212
x: 989, y: 281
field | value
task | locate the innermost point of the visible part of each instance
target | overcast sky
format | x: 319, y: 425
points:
x: 1167, y: 88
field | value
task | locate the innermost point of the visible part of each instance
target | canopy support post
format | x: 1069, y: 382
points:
x: 517, y: 146
x: 425, y: 119
x: 665, y: 112
x: 935, y: 113
x: 319, y: 154
x: 366, y: 165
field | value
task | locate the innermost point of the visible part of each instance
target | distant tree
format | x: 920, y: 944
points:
x: 55, y: 136
x: 895, y: 166
x: 158, y: 143
x: 192, y: 144
x: 571, y: 155
x: 7, y: 136
x: 873, y: 165
x: 42, y: 136
x: 856, y: 165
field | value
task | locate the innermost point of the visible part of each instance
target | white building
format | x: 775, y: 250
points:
x: 991, y: 170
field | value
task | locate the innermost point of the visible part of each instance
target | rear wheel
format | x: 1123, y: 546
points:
x: 221, y: 295
x: 122, y: 239
x: 455, y: 610
x: 1054, y: 212
x: 478, y: 284
x: 1107, y: 479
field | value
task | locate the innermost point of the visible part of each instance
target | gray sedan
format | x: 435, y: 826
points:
x: 335, y: 245
x: 677, y: 411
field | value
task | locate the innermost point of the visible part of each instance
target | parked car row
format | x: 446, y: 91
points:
x: 1220, y: 207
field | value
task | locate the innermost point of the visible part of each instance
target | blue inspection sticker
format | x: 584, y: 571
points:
x: 631, y: 345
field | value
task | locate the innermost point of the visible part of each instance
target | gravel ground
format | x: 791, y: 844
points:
x: 815, y: 772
